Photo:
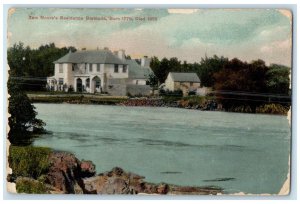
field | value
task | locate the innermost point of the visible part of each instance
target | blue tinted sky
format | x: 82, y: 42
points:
x: 248, y: 34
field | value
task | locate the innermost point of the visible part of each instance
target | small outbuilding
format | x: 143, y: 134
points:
x: 186, y: 82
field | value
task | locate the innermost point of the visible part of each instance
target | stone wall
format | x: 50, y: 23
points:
x: 120, y: 87
x: 137, y: 90
x: 116, y: 87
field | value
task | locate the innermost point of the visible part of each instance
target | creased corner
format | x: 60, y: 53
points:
x: 287, y: 13
x: 11, y: 11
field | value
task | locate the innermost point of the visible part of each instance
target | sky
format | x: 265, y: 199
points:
x: 188, y: 34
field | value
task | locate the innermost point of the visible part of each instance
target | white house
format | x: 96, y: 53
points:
x: 100, y: 71
x: 182, y: 81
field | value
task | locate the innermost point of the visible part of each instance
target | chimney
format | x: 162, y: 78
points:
x: 121, y: 54
x: 145, y: 61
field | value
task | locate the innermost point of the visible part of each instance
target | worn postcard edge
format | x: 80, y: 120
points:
x: 285, y: 189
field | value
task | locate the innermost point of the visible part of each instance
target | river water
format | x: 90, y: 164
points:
x: 238, y: 152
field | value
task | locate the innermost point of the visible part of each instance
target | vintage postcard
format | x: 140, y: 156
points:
x: 149, y: 101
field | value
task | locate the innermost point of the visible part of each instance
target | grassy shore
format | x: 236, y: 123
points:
x: 190, y: 102
x: 74, y: 98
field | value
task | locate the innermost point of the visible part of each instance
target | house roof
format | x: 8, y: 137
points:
x: 184, y: 77
x: 136, y: 71
x: 91, y: 56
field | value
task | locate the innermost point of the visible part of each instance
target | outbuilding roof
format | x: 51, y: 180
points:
x: 184, y: 77
x: 91, y: 56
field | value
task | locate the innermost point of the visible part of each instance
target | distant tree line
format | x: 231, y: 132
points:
x: 30, y: 67
x: 236, y: 84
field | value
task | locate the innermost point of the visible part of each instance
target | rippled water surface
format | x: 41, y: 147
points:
x: 238, y: 152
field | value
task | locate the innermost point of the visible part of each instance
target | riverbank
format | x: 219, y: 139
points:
x: 75, y: 98
x: 194, y: 102
x: 204, y: 103
x: 62, y: 173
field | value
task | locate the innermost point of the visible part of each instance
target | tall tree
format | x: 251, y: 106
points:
x: 32, y: 66
x: 174, y: 65
x: 278, y: 84
x: 152, y: 81
x: 22, y: 121
x: 241, y: 85
x: 208, y: 66
x: 155, y: 65
x: 278, y: 79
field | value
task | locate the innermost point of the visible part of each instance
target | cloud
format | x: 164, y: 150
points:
x: 278, y: 52
x: 188, y: 34
x: 276, y: 45
x: 182, y: 11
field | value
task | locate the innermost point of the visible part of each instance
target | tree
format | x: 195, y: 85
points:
x: 174, y: 65
x: 278, y: 84
x: 152, y: 81
x: 22, y: 121
x: 241, y: 85
x: 30, y: 67
x: 207, y: 68
x: 278, y: 80
x: 155, y: 66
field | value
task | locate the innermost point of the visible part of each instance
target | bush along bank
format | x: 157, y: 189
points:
x: 191, y: 102
x: 42, y: 171
x: 204, y: 103
x: 74, y: 98
x: 177, y: 101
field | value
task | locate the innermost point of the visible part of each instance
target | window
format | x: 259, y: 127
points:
x: 116, y: 70
x: 137, y: 82
x: 98, y: 84
x: 98, y: 67
x: 60, y: 68
x: 191, y: 83
x: 73, y: 67
x: 61, y: 81
x: 91, y: 67
x: 124, y: 68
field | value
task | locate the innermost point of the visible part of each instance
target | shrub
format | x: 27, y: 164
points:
x: 193, y: 101
x: 28, y: 185
x: 241, y: 109
x: 29, y: 161
x: 176, y: 93
x: 70, y: 89
x: 272, y: 109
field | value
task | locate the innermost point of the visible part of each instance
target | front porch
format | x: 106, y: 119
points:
x: 89, y: 84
